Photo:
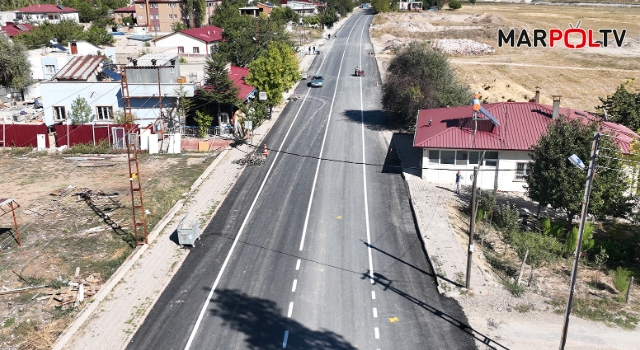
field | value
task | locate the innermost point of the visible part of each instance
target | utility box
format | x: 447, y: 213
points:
x: 188, y: 231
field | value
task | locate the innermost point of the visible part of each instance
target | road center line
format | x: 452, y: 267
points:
x: 235, y: 241
x: 364, y: 174
x: 290, y: 309
x: 298, y: 265
x: 286, y: 338
x: 376, y: 332
x: 295, y: 283
x: 324, y: 138
x: 373, y: 295
x: 375, y: 313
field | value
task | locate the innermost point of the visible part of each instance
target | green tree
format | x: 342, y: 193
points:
x: 204, y: 121
x: 553, y: 180
x: 188, y: 8
x: 80, y: 111
x: 274, y: 72
x: 419, y: 78
x: 183, y: 106
x: 65, y: 31
x: 219, y: 88
x: 285, y: 15
x: 178, y: 26
x: 381, y: 5
x: 15, y: 70
x: 199, y: 12
x: 623, y: 107
x: 455, y: 4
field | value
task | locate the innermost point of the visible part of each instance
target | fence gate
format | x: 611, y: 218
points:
x: 118, y: 138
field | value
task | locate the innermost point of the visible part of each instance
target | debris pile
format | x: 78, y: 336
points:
x: 462, y: 47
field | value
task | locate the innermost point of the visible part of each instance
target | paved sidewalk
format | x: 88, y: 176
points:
x: 122, y: 304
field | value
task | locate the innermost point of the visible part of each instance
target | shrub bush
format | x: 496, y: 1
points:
x: 507, y: 218
x: 454, y: 4
x: 621, y: 278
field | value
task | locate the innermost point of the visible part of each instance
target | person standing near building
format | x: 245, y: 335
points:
x: 458, y: 180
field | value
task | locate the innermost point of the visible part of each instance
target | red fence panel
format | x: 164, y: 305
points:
x: 23, y: 135
x: 85, y: 133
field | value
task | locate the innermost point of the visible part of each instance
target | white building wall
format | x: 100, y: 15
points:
x: 7, y: 16
x: 40, y: 18
x: 185, y: 41
x: 143, y: 103
x: 504, y: 171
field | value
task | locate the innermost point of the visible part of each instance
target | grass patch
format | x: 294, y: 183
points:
x: 522, y: 308
x: 102, y: 147
x: 9, y: 322
x: 20, y: 151
x: 25, y: 327
x: 600, y: 310
x: 514, y: 288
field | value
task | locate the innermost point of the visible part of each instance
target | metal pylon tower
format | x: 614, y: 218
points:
x: 131, y: 140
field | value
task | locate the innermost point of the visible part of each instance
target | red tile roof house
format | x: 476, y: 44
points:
x: 246, y: 93
x: 194, y: 41
x: 13, y: 29
x: 47, y: 13
x: 449, y: 143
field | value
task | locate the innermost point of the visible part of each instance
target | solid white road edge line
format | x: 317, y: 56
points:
x: 324, y: 138
x: 364, y: 175
x: 235, y: 241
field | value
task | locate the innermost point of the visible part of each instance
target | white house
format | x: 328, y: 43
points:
x: 303, y: 8
x: 198, y: 41
x: 452, y: 139
x: 47, y: 13
x: 100, y: 86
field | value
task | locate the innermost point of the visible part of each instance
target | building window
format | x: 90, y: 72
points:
x: 105, y: 112
x: 473, y: 157
x: 491, y: 158
x: 521, y: 171
x: 155, y: 6
x: 434, y: 157
x: 157, y: 28
x: 59, y: 113
x: 462, y: 157
x: 141, y: 17
x: 447, y: 157
x: 170, y: 16
x: 180, y: 49
x: 50, y: 69
x: 196, y: 50
x: 175, y: 15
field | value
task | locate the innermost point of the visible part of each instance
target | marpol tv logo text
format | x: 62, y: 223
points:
x: 580, y: 38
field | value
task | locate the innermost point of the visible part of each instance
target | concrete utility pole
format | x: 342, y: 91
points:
x: 472, y: 225
x: 583, y: 218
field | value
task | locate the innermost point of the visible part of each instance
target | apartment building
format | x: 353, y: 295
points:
x: 159, y: 15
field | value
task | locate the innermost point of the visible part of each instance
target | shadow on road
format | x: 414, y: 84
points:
x: 387, y: 286
x: 411, y: 265
x: 264, y: 325
x: 373, y: 119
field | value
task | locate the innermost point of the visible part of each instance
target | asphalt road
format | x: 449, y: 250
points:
x: 313, y: 254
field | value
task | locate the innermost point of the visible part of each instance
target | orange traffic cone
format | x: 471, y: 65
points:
x: 265, y: 153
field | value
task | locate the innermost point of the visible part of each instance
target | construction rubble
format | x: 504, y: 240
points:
x: 462, y: 47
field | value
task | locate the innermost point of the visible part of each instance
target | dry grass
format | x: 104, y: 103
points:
x: 580, y: 76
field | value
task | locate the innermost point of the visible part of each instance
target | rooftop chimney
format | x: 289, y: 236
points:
x: 537, y: 94
x: 556, y: 106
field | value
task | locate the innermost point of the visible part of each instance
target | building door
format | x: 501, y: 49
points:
x: 118, y: 138
x: 74, y: 48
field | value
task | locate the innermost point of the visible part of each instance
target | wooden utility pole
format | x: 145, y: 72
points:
x: 472, y: 225
x: 629, y: 290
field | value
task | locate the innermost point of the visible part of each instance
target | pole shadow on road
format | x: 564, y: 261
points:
x: 411, y: 265
x: 264, y: 325
x: 387, y: 286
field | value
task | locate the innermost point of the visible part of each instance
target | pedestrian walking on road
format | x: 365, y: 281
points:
x: 329, y: 36
x: 309, y: 50
x: 458, y: 180
x: 314, y: 51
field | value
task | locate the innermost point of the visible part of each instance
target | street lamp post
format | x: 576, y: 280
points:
x: 583, y: 217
